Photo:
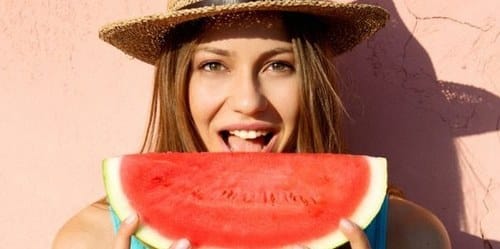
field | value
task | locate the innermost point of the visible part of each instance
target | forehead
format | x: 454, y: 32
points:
x: 267, y: 25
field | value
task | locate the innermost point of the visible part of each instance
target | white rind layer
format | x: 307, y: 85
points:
x: 118, y: 201
x: 366, y: 212
x: 367, y: 209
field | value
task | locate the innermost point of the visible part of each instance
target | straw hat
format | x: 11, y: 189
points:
x: 143, y: 37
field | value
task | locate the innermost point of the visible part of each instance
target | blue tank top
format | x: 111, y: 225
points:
x: 376, y: 231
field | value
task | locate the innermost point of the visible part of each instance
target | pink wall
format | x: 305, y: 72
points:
x: 423, y: 92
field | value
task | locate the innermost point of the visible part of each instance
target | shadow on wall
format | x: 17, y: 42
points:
x: 399, y: 109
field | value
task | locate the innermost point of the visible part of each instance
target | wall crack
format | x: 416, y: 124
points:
x: 425, y: 18
x: 486, y: 243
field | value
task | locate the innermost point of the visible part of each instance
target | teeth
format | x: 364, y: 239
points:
x: 248, y: 134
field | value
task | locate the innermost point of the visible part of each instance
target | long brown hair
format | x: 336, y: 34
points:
x: 321, y: 109
x: 170, y: 125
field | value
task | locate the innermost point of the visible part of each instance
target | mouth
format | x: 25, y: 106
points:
x: 248, y: 140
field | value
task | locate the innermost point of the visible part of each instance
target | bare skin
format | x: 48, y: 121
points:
x: 245, y: 80
x: 410, y: 226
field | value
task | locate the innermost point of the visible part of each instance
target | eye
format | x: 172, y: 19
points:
x: 212, y: 66
x: 280, y: 66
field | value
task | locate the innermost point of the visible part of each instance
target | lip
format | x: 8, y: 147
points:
x: 262, y: 126
x: 249, y: 126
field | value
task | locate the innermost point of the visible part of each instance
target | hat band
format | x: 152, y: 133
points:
x: 205, y: 3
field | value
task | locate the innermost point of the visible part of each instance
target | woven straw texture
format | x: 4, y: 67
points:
x: 143, y: 37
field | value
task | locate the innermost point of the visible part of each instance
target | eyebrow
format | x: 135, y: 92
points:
x: 213, y: 50
x: 268, y: 53
x: 278, y: 50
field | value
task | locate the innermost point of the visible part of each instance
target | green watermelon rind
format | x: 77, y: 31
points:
x: 362, y: 216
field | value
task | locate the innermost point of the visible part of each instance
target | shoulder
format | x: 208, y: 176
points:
x: 89, y: 228
x: 412, y: 226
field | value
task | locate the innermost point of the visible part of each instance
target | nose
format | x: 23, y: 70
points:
x: 247, y: 96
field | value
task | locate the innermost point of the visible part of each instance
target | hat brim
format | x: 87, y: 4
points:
x: 143, y: 37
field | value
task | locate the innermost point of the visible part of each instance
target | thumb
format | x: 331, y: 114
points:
x: 127, y: 228
x: 354, y: 234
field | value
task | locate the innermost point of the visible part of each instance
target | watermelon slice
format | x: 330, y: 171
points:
x: 245, y: 200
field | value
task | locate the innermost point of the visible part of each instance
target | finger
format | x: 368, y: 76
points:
x: 354, y: 234
x: 127, y: 228
x: 181, y: 244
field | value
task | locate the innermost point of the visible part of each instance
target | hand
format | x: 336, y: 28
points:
x: 355, y: 235
x: 128, y: 227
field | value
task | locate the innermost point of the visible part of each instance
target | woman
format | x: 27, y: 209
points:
x: 248, y: 76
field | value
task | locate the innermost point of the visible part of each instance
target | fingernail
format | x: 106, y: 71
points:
x: 131, y: 218
x: 346, y: 224
x: 182, y: 244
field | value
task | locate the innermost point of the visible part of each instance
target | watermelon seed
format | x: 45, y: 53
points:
x: 160, y: 180
x: 196, y: 194
x: 304, y: 201
x: 157, y: 179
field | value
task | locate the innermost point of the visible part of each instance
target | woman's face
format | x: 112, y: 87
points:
x: 244, y: 86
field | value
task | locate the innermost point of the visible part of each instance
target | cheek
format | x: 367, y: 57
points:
x: 285, y: 98
x: 197, y: 99
x: 204, y: 101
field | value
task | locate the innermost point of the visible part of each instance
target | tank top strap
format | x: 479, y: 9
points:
x: 376, y: 231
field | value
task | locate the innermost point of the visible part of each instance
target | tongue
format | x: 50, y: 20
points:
x: 245, y: 145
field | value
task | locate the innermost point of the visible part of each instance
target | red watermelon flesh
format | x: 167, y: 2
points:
x: 245, y: 200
